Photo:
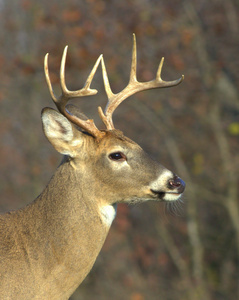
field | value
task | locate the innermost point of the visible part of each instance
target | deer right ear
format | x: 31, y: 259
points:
x: 59, y: 131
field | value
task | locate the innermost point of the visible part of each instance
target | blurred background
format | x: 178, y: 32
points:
x: 188, y: 251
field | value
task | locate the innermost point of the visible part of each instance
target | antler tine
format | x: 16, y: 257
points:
x: 133, y: 87
x: 48, y: 80
x: 106, y: 120
x: 133, y: 70
x: 165, y: 83
x: 86, y: 90
x: 66, y: 95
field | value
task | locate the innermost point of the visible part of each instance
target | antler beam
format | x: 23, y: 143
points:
x: 133, y: 87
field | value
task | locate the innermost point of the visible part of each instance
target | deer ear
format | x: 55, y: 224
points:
x: 60, y: 132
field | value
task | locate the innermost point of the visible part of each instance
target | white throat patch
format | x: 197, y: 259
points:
x: 108, y: 213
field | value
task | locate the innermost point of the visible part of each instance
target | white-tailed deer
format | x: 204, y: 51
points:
x: 48, y: 247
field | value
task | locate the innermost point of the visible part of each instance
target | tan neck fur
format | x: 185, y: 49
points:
x: 54, y: 239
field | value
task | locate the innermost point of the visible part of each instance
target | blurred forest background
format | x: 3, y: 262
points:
x: 152, y: 251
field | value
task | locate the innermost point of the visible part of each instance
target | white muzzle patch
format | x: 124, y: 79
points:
x: 160, y: 185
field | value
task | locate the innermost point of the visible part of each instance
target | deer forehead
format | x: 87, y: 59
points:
x: 115, y: 141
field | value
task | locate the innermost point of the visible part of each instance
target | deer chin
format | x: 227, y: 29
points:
x: 171, y: 196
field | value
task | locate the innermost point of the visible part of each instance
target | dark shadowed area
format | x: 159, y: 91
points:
x: 153, y: 251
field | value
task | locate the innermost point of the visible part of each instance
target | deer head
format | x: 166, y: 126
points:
x: 119, y: 168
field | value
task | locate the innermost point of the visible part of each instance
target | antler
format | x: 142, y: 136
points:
x: 133, y: 87
x: 66, y: 95
x: 114, y: 100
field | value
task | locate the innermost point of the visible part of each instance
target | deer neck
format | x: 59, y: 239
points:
x: 72, y: 226
x: 79, y: 199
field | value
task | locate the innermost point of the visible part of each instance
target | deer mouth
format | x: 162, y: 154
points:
x: 167, y: 196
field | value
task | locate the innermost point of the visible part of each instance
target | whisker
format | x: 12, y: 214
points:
x: 175, y: 208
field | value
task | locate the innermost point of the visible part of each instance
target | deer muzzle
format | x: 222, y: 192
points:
x: 168, y: 187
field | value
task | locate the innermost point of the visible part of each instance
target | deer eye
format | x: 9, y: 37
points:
x: 117, y: 156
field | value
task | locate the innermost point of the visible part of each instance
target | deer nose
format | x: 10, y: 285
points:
x: 176, y: 183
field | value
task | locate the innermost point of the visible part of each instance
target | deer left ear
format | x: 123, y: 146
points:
x: 60, y: 132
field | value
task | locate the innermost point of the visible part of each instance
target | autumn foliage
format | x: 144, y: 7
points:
x: 153, y: 251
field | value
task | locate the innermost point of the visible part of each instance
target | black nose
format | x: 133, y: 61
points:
x: 177, y: 184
